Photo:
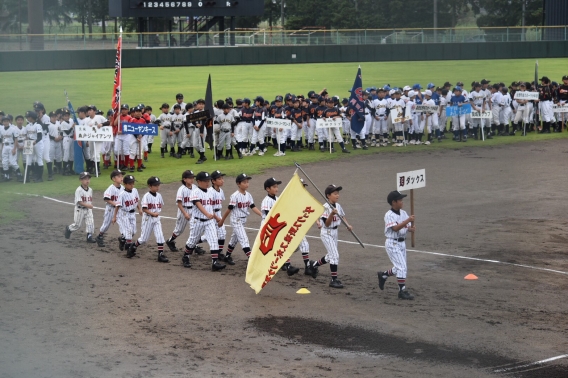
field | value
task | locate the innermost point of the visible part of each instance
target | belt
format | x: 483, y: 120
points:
x: 398, y: 239
x: 167, y: 127
x: 331, y: 228
x: 131, y: 211
x: 8, y: 144
x: 215, y: 210
x: 202, y: 220
x: 225, y: 130
x: 188, y: 207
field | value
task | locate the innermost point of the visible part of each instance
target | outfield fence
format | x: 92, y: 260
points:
x: 262, y: 37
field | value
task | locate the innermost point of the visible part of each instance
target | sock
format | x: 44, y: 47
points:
x: 221, y: 245
x: 333, y: 268
x: 247, y: 251
x: 146, y: 154
x: 401, y: 283
x: 214, y: 255
x: 172, y: 238
x: 160, y: 248
x: 50, y: 168
x: 283, y: 147
x: 230, y: 249
x: 321, y: 145
x: 342, y: 145
x: 306, y: 257
x: 320, y: 262
x: 139, y: 163
x: 89, y: 235
x: 387, y: 273
x: 101, y: 234
x: 188, y: 251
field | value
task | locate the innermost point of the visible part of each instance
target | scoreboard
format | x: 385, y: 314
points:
x: 223, y: 8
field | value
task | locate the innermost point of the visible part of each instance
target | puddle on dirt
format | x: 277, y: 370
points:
x: 359, y: 340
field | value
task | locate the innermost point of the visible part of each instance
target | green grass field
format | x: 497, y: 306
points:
x: 153, y: 86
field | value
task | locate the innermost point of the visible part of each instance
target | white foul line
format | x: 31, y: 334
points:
x: 366, y: 244
x: 531, y: 364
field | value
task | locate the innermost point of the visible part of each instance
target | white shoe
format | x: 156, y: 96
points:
x: 427, y: 142
x: 256, y: 148
x: 418, y: 142
x: 261, y: 153
x: 385, y: 144
x: 279, y: 154
x: 264, y: 150
x: 413, y: 142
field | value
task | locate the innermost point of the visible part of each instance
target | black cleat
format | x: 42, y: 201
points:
x: 162, y: 258
x: 67, y: 232
x: 100, y: 241
x: 185, y: 261
x: 308, y: 270
x: 91, y: 240
x: 292, y: 270
x: 131, y: 252
x: 403, y: 294
x: 172, y: 246
x: 199, y: 251
x: 336, y: 284
x: 345, y: 151
x: 314, y: 269
x: 229, y: 260
x: 382, y: 281
x: 121, y: 243
x: 216, y: 266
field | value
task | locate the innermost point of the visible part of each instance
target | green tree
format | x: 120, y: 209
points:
x: 507, y: 12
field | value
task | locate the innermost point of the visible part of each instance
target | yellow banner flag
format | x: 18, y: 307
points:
x: 295, y: 211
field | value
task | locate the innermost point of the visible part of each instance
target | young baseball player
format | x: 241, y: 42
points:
x: 152, y: 204
x: 83, y: 209
x: 333, y: 112
x: 21, y: 138
x: 227, y: 123
x: 127, y: 204
x: 239, y: 204
x: 185, y: 207
x: 259, y: 129
x: 176, y: 129
x: 271, y: 187
x: 331, y: 219
x: 9, y: 135
x: 110, y: 196
x: 203, y: 221
x: 397, y: 225
x: 34, y: 161
x: 55, y: 144
x: 458, y: 122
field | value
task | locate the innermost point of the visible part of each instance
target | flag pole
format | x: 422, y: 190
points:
x: 329, y: 203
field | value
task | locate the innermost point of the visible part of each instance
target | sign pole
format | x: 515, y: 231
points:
x: 95, y: 159
x: 412, y: 212
x: 330, y: 139
x: 215, y: 145
x: 26, y: 171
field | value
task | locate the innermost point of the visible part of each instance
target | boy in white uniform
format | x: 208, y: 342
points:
x: 9, y: 135
x: 55, y: 145
x: 431, y: 119
x: 83, y: 209
x: 476, y: 98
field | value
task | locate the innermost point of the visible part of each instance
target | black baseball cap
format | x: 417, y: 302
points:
x: 92, y: 107
x: 165, y: 105
x: 485, y: 81
x: 545, y: 79
x: 395, y: 196
x: 153, y: 181
x: 332, y: 188
x: 203, y: 176
x: 216, y: 174
x: 278, y: 98
x: 187, y: 174
x: 116, y: 172
x: 129, y: 179
x: 200, y: 101
x: 271, y: 182
x: 447, y: 84
x: 565, y: 77
x: 179, y: 95
x: 84, y: 175
x: 242, y: 177
x: 177, y: 106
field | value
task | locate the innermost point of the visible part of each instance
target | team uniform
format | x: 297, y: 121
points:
x: 380, y: 128
x: 259, y: 130
x: 227, y: 124
x: 127, y: 203
x: 398, y: 127
x: 82, y: 213
x: 178, y: 131
x: 9, y: 136
x: 34, y: 132
x: 477, y: 98
x: 183, y: 197
x: 458, y: 122
x: 239, y: 204
x: 56, y: 144
x: 67, y: 129
x: 111, y: 194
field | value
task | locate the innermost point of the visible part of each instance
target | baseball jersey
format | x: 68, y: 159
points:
x: 9, y: 134
x: 392, y: 218
x: 327, y: 209
x: 66, y: 128
x: 455, y: 100
x: 429, y: 102
x: 184, y: 196
x: 381, y: 106
x: 218, y: 198
x: 165, y: 120
x: 226, y: 121
x: 247, y: 114
x: 112, y: 193
x: 128, y: 200
x: 177, y: 120
x: 506, y: 100
x: 259, y: 115
x: 207, y: 199
x: 331, y: 112
x: 54, y: 130
x: 267, y: 204
x: 21, y: 135
x: 83, y: 195
x: 32, y: 131
x: 240, y: 203
x: 477, y: 97
x: 95, y: 121
x: 152, y: 202
x: 496, y: 98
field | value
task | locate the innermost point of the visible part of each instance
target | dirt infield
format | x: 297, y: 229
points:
x: 69, y: 309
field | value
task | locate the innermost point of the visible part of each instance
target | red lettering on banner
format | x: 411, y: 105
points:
x: 269, y: 232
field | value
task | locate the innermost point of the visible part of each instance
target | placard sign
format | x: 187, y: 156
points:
x: 139, y: 128
x: 28, y: 147
x: 519, y: 95
x: 427, y: 108
x: 93, y: 133
x: 199, y: 116
x: 278, y: 123
x: 484, y: 114
x: 398, y: 116
x: 454, y: 111
x: 327, y: 123
x: 411, y: 180
x: 560, y: 108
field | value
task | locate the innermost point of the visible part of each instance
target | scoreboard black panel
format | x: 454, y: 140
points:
x: 225, y: 8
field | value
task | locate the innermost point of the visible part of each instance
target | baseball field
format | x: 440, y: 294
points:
x: 495, y: 209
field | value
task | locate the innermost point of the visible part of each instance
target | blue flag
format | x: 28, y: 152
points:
x: 356, y: 104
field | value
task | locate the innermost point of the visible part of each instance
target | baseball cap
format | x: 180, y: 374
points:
x: 460, y: 84
x: 411, y: 93
x: 345, y: 100
x: 417, y: 86
x: 271, y: 182
x: 179, y: 95
x: 93, y: 107
x: 430, y: 85
x: 128, y: 179
x: 124, y: 106
x: 485, y: 81
x: 365, y: 93
x: 203, y: 176
x: 428, y: 92
x: 447, y: 84
x: 188, y: 106
x: 476, y: 84
x: 242, y: 177
x: 216, y: 174
x: 84, y: 175
x: 31, y: 114
x: 458, y: 88
x: 406, y: 88
x: 395, y: 196
x: 545, y: 79
x: 153, y: 181
x: 52, y: 114
x: 278, y: 98
x: 187, y: 174
x: 565, y: 77
x: 5, y: 118
x: 164, y: 105
x: 176, y: 106
x: 259, y: 99
x: 332, y: 188
x: 116, y: 172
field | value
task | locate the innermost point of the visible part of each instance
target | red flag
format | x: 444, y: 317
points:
x: 117, y: 84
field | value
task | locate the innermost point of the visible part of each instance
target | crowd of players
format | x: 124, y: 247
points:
x: 241, y: 125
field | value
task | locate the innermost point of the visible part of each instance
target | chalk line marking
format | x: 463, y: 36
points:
x: 509, y: 369
x: 366, y: 244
